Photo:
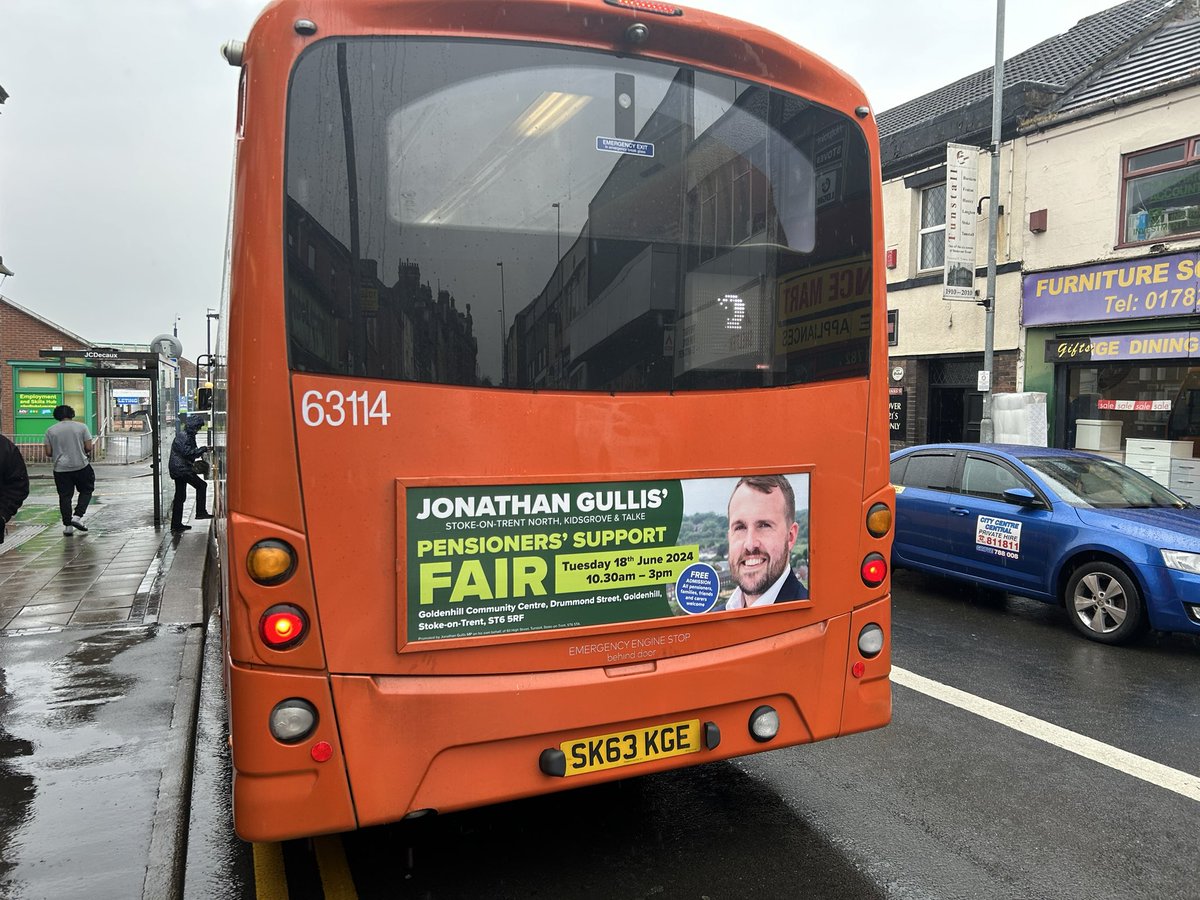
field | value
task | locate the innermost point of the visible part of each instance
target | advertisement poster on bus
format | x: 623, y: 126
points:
x: 493, y: 560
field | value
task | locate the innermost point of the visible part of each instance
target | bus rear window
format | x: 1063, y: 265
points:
x: 494, y: 214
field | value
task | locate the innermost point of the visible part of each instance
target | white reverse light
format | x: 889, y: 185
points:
x: 764, y: 724
x: 293, y: 720
x: 870, y: 641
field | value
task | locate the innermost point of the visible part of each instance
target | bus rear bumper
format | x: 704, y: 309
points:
x: 453, y: 742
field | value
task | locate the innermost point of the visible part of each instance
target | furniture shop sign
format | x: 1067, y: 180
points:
x: 1156, y: 287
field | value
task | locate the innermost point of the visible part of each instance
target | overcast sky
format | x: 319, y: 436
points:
x: 116, y: 140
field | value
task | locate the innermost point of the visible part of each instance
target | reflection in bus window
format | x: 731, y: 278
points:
x: 723, y: 243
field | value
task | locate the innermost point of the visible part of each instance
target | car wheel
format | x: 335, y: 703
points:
x: 1104, y: 604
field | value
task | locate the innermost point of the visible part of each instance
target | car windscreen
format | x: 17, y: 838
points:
x: 489, y: 213
x: 1100, y: 483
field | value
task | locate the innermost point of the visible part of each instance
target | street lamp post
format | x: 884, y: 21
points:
x: 987, y: 428
x: 503, y: 355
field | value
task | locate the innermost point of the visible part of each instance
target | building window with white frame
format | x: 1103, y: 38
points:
x: 932, y: 239
x: 1161, y: 192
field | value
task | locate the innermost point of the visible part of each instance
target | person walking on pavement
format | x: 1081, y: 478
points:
x: 184, y: 453
x: 68, y: 443
x: 14, y: 482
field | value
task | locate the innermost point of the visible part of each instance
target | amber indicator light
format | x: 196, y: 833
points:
x: 271, y: 562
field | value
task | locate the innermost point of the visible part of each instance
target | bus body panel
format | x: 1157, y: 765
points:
x: 256, y: 318
x: 333, y: 495
x: 279, y: 791
x: 358, y: 546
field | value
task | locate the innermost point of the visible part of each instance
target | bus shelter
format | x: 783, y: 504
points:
x: 160, y: 371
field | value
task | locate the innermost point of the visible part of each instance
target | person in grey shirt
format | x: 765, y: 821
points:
x: 68, y: 443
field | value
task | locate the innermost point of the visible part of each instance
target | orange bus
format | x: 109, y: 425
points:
x: 555, y: 404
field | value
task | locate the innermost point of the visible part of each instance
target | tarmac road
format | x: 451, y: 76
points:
x: 946, y: 802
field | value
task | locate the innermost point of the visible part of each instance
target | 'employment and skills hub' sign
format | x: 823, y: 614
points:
x: 1162, y: 286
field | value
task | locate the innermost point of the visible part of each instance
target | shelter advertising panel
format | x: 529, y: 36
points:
x: 505, y: 559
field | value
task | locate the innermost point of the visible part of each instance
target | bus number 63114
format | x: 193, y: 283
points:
x: 336, y: 408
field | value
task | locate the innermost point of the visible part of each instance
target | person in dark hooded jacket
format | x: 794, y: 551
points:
x: 14, y: 482
x: 184, y: 452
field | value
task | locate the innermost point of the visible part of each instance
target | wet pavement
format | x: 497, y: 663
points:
x: 101, y: 639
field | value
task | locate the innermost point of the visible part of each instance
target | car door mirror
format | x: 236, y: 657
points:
x: 1022, y: 497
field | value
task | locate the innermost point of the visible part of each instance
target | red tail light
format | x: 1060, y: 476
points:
x: 283, y: 626
x: 874, y: 570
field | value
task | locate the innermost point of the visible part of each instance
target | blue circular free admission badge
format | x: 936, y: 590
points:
x: 697, y: 587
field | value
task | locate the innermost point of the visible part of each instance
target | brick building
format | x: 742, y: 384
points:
x: 28, y: 394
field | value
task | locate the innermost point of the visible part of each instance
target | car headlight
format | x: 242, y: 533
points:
x: 1184, y: 562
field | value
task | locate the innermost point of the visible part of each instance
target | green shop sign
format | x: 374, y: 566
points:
x: 36, y: 404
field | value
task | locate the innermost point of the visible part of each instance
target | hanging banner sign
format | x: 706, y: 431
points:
x: 491, y: 560
x: 962, y: 176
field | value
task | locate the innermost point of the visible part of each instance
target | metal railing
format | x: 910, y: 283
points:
x: 113, y: 448
x: 124, y: 447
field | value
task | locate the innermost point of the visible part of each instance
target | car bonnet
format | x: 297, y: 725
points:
x: 1176, y: 529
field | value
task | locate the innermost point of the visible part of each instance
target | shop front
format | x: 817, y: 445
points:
x: 1116, y: 348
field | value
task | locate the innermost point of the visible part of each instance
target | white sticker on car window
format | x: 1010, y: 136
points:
x: 999, y: 537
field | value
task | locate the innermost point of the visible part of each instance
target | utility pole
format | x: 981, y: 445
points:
x: 986, y: 428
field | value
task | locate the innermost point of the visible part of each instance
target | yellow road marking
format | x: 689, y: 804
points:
x: 270, y: 879
x: 336, y: 879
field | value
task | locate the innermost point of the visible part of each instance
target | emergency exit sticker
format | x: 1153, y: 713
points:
x: 999, y: 537
x: 620, y: 145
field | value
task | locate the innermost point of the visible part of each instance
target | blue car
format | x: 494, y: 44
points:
x: 1118, y: 550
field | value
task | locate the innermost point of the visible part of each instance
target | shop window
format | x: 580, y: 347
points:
x: 1161, y: 192
x: 932, y: 238
x: 1137, y: 401
x: 32, y: 378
